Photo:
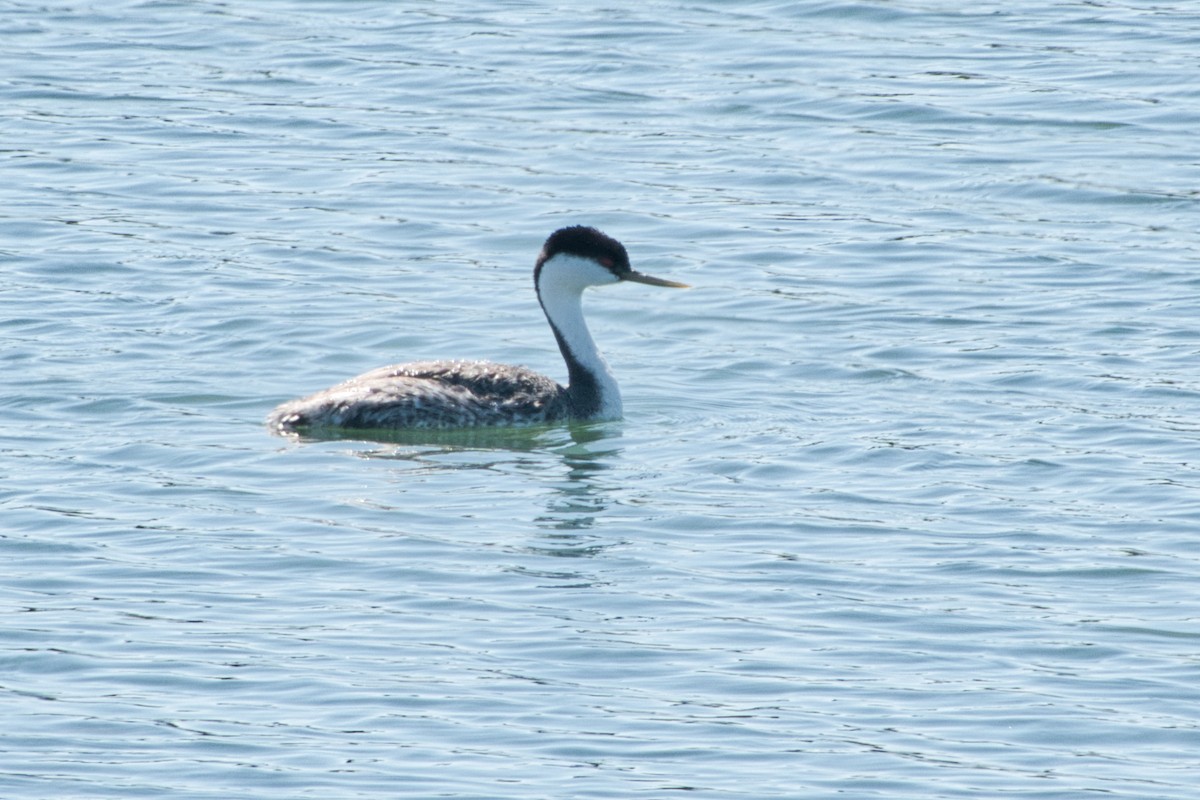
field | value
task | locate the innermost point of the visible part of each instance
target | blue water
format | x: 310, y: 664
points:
x: 905, y: 503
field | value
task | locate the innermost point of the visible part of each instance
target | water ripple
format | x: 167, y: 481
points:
x: 905, y: 500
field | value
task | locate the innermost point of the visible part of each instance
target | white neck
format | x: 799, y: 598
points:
x: 560, y: 290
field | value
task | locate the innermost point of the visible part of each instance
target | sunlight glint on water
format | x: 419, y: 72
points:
x: 904, y: 503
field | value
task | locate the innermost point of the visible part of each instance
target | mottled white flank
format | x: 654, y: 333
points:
x: 431, y: 394
x: 457, y: 394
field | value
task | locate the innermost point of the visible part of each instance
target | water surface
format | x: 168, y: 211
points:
x: 905, y: 503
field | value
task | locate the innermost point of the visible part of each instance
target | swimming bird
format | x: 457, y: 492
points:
x: 463, y: 394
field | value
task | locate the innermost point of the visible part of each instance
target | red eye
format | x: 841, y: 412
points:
x: 606, y: 261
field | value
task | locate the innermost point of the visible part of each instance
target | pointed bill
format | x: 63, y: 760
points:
x: 641, y: 277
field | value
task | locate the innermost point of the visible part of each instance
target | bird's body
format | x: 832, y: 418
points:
x: 431, y: 394
x: 462, y: 394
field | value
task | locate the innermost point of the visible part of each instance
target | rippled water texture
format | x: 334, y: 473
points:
x: 905, y: 501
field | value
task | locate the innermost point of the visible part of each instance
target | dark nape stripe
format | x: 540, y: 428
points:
x: 583, y: 390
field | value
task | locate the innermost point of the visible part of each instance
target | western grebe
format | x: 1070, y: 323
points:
x: 456, y: 394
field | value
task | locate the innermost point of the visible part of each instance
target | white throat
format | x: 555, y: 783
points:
x: 560, y: 288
